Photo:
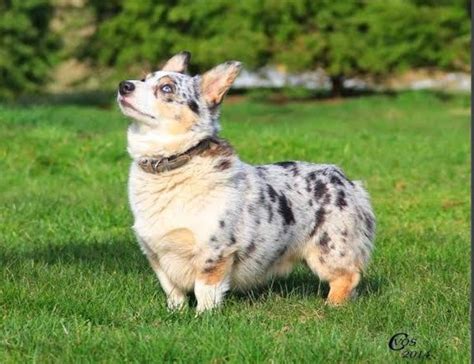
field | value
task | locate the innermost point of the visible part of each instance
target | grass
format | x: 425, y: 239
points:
x: 74, y: 286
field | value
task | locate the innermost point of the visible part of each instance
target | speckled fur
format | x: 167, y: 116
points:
x: 219, y: 223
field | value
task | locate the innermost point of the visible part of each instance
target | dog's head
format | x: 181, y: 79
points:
x: 174, y: 103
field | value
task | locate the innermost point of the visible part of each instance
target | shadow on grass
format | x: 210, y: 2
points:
x: 125, y: 256
x: 117, y: 256
x: 302, y: 283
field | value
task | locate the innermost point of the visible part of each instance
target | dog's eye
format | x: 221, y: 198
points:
x: 166, y: 89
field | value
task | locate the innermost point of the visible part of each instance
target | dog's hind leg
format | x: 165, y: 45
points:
x: 342, y: 287
x: 342, y: 274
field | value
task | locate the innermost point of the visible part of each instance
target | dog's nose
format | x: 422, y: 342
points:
x: 126, y: 87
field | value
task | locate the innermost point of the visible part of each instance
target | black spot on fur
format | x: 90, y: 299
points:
x: 336, y: 180
x: 331, y: 171
x: 272, y: 193
x: 340, y: 174
x: 319, y: 220
x: 369, y: 223
x: 213, y: 238
x: 341, y: 200
x: 344, y: 232
x: 285, y: 164
x: 290, y: 165
x: 261, y: 172
x: 209, y: 260
x: 332, y: 246
x: 196, y: 87
x: 232, y: 240
x: 325, y: 239
x: 327, y: 199
x: 209, y: 269
x: 261, y: 196
x: 270, y: 213
x: 223, y: 164
x: 312, y: 176
x: 310, y: 202
x: 342, y: 254
x: 277, y: 255
x: 251, y: 248
x: 285, y: 210
x: 282, y: 251
x: 321, y: 260
x: 251, y: 209
x: 320, y: 189
x: 222, y: 223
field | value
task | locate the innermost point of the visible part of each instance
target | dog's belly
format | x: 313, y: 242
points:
x: 251, y: 273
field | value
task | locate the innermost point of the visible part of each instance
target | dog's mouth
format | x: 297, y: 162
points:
x: 128, y: 105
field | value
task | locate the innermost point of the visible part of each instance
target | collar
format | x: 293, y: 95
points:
x: 159, y: 164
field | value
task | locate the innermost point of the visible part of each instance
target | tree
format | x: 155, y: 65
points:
x: 27, y: 47
x: 146, y: 32
x: 345, y: 38
x: 377, y: 37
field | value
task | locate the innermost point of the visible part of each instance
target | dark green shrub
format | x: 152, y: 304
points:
x: 147, y: 32
x: 27, y: 47
x: 377, y: 37
x: 345, y: 38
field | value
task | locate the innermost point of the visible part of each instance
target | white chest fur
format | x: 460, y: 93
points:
x: 185, y: 198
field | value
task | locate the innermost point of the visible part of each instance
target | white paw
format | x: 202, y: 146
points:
x: 209, y: 296
x: 176, y: 303
x: 205, y: 306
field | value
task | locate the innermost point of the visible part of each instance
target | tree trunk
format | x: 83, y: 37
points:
x: 337, y: 83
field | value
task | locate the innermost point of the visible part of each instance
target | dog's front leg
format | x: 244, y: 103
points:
x: 212, y: 283
x: 175, y: 297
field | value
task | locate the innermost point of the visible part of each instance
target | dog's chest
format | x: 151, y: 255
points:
x: 162, y: 204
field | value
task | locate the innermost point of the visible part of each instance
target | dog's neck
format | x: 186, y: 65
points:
x: 146, y: 142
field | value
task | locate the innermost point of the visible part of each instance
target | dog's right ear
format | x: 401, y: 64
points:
x: 178, y: 63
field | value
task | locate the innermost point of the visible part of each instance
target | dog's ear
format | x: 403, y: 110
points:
x: 217, y: 81
x: 178, y: 63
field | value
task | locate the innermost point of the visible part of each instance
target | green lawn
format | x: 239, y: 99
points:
x: 74, y: 286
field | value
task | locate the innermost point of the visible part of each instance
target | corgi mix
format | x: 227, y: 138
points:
x: 207, y: 221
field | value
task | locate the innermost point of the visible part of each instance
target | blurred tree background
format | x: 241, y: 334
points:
x: 345, y: 38
x: 28, y: 49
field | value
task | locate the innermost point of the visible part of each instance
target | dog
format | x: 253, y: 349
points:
x: 209, y: 222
